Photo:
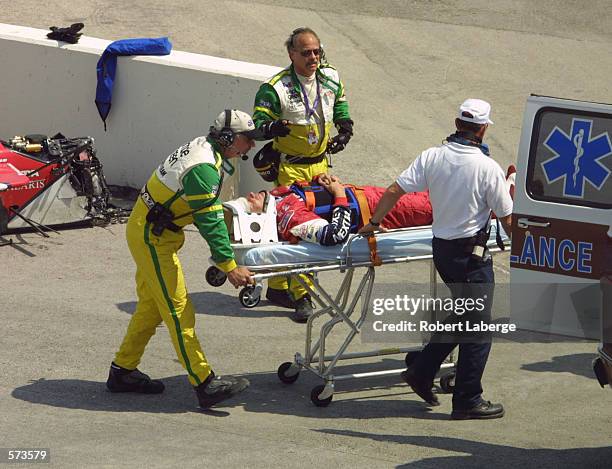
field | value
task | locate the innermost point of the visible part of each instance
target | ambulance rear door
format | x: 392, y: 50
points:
x: 562, y: 220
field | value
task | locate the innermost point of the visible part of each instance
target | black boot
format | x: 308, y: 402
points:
x: 280, y: 298
x: 422, y: 387
x: 484, y: 410
x: 218, y: 388
x: 124, y: 380
x: 303, y: 310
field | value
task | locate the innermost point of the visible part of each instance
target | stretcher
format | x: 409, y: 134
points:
x: 357, y: 262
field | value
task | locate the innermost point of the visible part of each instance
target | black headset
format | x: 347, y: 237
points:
x: 225, y: 137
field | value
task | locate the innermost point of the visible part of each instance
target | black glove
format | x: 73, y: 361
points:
x: 276, y: 128
x: 339, y: 142
x: 70, y: 34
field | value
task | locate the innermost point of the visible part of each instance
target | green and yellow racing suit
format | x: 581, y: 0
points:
x: 282, y: 97
x: 187, y: 183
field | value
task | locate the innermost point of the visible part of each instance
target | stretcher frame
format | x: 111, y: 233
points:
x: 341, y: 309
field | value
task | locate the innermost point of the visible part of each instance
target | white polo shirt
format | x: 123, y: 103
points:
x: 464, y: 185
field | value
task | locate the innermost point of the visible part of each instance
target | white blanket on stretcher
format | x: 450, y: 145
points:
x: 392, y: 245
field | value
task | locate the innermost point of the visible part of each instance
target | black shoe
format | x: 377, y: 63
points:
x: 421, y: 387
x: 124, y: 380
x: 484, y: 410
x: 218, y: 388
x: 280, y: 298
x: 303, y: 310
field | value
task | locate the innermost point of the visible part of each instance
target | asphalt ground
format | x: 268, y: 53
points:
x: 407, y: 65
x: 68, y: 300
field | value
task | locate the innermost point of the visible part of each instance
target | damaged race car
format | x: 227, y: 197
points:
x: 51, y: 181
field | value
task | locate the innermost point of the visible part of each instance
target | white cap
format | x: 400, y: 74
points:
x: 476, y: 111
x: 239, y: 122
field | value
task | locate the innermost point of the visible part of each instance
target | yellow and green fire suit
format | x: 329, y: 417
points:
x: 187, y: 182
x: 282, y: 97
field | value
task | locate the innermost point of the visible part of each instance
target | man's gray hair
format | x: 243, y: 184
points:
x: 290, y: 42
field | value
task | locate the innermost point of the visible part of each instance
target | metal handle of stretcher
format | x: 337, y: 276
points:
x: 358, y: 236
x: 347, y: 262
x: 324, y: 268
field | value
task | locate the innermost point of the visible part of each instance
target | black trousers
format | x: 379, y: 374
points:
x: 466, y: 277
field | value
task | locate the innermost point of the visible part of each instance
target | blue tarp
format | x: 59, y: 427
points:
x: 107, y: 66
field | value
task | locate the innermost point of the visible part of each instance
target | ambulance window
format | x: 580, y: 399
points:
x: 570, y: 158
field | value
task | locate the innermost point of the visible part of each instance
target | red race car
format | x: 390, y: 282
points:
x: 50, y: 181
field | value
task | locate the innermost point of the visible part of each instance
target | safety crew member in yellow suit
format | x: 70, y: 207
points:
x: 297, y: 108
x: 183, y: 190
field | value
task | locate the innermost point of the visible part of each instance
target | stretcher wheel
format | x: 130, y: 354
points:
x: 247, y: 299
x: 284, y: 377
x: 314, y: 396
x: 447, y: 383
x: 215, y: 277
x: 410, y: 358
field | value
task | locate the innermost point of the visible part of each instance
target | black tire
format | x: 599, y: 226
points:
x: 283, y: 377
x: 410, y: 358
x: 447, y: 383
x: 247, y: 299
x: 314, y: 396
x: 215, y: 277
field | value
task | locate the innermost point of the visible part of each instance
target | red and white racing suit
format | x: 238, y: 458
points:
x: 295, y: 221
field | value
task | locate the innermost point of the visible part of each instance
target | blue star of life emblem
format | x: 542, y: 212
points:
x: 577, y: 158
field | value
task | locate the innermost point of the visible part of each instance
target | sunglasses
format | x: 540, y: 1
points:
x: 308, y: 52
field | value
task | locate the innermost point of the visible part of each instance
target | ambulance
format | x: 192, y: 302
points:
x: 561, y: 256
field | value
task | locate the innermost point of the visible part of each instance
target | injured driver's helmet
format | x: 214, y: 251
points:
x: 267, y: 162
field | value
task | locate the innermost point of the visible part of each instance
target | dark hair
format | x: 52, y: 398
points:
x: 290, y: 42
x: 468, y: 126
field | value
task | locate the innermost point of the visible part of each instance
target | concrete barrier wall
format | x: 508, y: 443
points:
x: 158, y: 102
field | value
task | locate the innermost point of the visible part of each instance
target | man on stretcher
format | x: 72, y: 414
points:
x: 325, y: 211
